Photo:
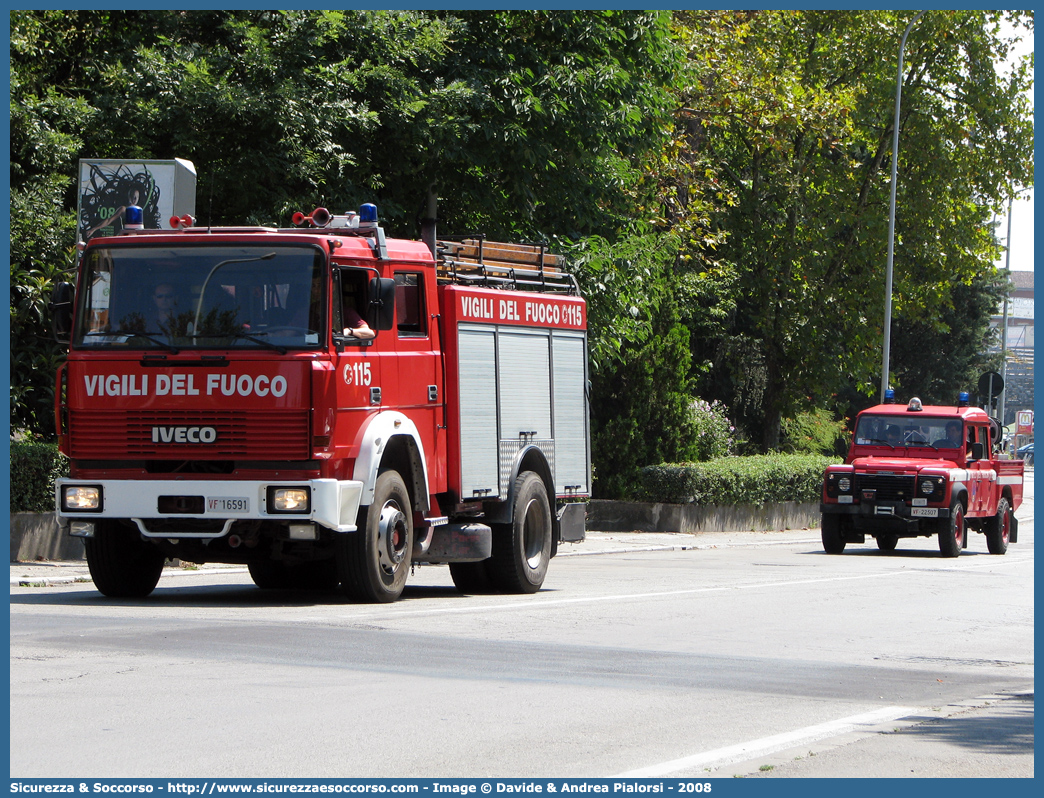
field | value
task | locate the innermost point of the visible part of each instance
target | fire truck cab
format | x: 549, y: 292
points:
x: 322, y: 403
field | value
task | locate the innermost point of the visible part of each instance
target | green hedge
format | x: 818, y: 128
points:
x: 738, y: 480
x: 34, y: 468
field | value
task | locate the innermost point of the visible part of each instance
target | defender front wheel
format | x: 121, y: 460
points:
x: 952, y: 531
x: 833, y: 540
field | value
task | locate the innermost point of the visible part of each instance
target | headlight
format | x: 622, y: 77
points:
x: 289, y: 500
x: 838, y: 483
x: 932, y: 488
x: 81, y: 498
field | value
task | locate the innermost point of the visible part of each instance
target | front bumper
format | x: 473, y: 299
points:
x: 899, y: 510
x: 334, y: 504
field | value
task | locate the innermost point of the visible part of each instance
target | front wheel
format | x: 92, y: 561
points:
x: 952, y: 531
x: 833, y: 540
x: 522, y: 549
x: 122, y: 565
x: 374, y: 561
x: 998, y: 529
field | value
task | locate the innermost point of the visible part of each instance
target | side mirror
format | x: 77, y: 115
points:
x: 977, y: 450
x: 382, y: 303
x: 61, y: 308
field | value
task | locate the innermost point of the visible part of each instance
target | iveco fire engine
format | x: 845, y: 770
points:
x: 325, y: 404
x: 922, y: 470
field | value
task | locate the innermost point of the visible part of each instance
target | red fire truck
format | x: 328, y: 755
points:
x: 922, y: 470
x: 323, y: 404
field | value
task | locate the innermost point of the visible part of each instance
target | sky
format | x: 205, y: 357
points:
x: 1022, y: 209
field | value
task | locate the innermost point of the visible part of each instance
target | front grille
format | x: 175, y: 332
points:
x: 240, y: 434
x: 889, y: 487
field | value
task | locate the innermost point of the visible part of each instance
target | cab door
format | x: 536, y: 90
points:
x: 360, y: 391
x: 983, y: 477
x: 418, y: 366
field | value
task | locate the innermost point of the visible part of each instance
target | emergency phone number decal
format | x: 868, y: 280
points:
x: 535, y: 312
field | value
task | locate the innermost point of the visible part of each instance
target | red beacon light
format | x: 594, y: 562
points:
x: 181, y: 222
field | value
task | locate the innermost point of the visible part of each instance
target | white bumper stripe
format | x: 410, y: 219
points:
x: 335, y: 503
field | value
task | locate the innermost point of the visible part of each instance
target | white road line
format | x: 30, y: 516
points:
x: 770, y: 745
x: 536, y: 603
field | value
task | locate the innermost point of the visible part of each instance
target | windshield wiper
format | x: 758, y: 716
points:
x: 150, y: 336
x: 886, y: 443
x: 280, y: 349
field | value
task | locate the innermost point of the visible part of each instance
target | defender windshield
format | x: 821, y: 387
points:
x: 148, y: 297
x: 904, y: 431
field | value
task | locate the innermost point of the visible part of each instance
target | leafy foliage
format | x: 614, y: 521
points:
x: 35, y: 466
x: 814, y: 432
x: 713, y: 432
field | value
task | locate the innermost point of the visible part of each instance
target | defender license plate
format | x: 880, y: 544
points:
x: 228, y: 504
x: 924, y: 512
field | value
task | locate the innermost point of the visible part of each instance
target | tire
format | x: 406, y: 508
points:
x: 833, y: 540
x: 470, y: 577
x: 952, y: 531
x: 374, y: 561
x: 522, y: 549
x: 275, y: 575
x: 886, y: 541
x: 122, y: 565
x: 998, y: 529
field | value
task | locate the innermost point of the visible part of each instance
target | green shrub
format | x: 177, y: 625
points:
x: 757, y: 480
x: 815, y: 432
x: 34, y: 468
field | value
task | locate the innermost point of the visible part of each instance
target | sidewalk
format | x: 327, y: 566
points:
x: 47, y: 573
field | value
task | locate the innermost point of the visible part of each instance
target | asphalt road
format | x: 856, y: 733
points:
x: 717, y: 655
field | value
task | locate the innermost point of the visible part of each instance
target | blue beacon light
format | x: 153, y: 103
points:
x: 132, y: 219
x: 889, y: 397
x: 368, y: 213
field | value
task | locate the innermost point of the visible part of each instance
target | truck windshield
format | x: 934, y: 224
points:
x: 904, y: 431
x: 147, y: 297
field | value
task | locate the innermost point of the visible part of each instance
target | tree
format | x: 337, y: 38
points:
x: 795, y: 108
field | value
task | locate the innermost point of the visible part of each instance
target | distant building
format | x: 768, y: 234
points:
x: 1018, y: 385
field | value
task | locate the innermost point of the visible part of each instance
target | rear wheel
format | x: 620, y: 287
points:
x: 886, y: 541
x: 374, y: 561
x: 522, y: 549
x: 952, y: 531
x: 122, y: 565
x: 998, y: 529
x: 833, y: 540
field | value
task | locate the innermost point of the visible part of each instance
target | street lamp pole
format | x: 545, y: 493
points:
x: 1004, y: 329
x: 891, y: 212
